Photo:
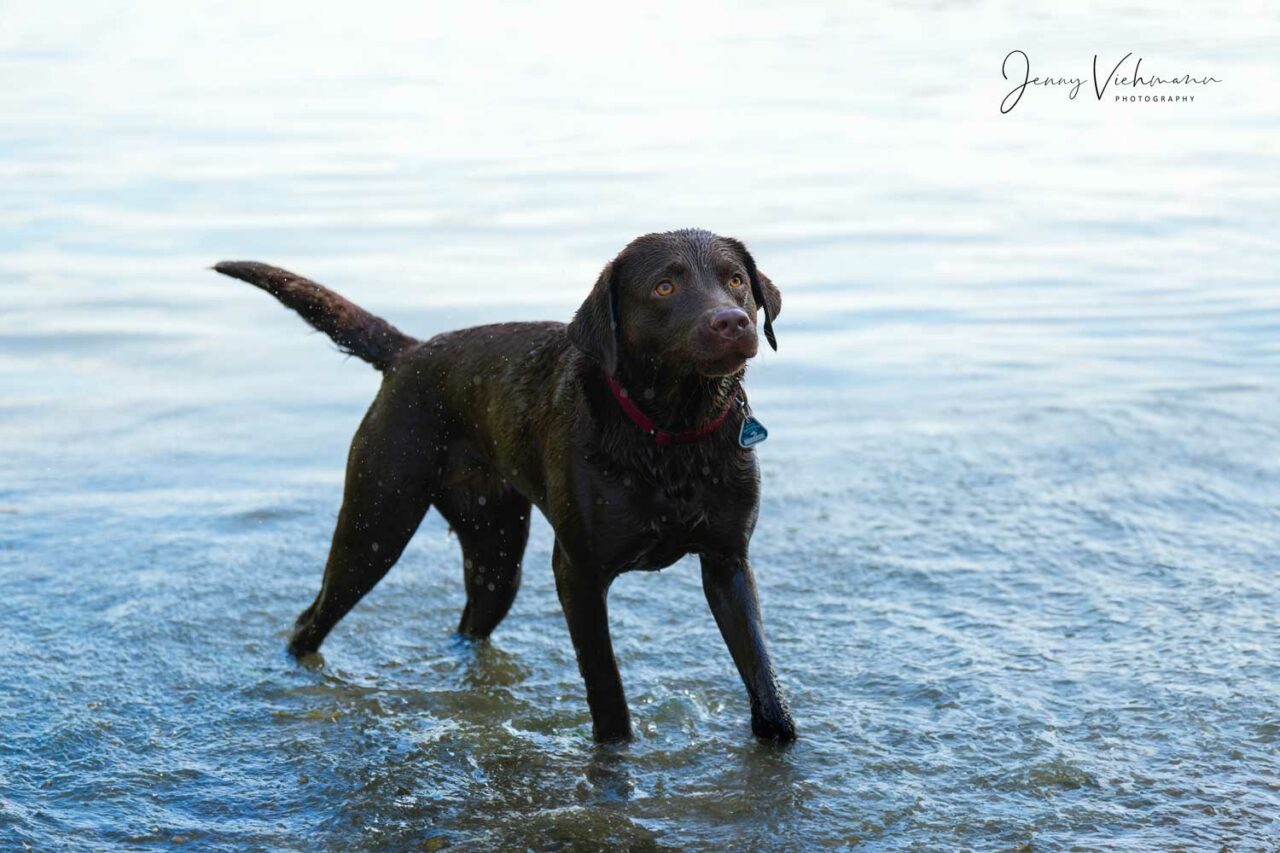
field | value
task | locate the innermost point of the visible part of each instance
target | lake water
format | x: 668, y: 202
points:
x: 1021, y: 519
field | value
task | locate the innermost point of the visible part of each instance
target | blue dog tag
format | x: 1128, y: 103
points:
x: 752, y: 432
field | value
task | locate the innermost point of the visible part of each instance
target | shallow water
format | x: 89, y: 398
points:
x: 1017, y: 550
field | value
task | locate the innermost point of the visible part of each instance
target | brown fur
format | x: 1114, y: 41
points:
x: 487, y: 422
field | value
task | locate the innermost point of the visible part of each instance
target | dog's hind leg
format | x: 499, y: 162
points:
x: 493, y: 529
x: 391, y: 471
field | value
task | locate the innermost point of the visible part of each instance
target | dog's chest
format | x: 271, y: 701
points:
x: 662, y: 538
x: 680, y: 513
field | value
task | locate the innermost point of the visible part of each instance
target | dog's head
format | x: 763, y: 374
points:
x: 685, y: 301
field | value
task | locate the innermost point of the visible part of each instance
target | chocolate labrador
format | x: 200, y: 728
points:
x: 628, y: 429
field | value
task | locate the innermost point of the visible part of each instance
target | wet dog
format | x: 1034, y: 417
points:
x: 627, y: 429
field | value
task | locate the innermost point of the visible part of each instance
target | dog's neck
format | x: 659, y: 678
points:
x: 676, y: 400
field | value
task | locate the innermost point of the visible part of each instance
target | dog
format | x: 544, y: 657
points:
x: 627, y: 429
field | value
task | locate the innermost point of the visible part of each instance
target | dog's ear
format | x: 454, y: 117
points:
x: 594, y: 328
x: 772, y: 296
x: 763, y: 291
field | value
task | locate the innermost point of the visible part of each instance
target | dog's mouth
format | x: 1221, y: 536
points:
x: 726, y: 366
x: 725, y: 358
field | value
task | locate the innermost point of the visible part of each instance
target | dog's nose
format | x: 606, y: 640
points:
x: 730, y: 323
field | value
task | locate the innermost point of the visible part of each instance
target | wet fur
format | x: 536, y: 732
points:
x: 487, y: 422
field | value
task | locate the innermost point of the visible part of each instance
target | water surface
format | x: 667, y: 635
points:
x: 1017, y: 550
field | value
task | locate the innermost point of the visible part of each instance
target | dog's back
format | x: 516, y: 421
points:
x: 486, y: 422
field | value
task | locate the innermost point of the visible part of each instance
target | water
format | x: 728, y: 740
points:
x: 1017, y: 550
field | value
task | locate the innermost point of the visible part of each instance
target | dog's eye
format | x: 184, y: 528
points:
x: 736, y: 281
x: 664, y: 288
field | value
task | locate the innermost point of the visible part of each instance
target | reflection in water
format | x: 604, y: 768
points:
x: 1017, y: 545
x: 610, y: 774
x: 486, y: 666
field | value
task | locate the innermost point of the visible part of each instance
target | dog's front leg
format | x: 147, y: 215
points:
x: 730, y: 588
x: 583, y: 596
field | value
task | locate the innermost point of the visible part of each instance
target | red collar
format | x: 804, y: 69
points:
x: 660, y: 436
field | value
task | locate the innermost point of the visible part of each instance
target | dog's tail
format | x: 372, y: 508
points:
x: 352, y: 328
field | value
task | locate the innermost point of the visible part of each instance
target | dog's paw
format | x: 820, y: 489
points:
x: 779, y: 729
